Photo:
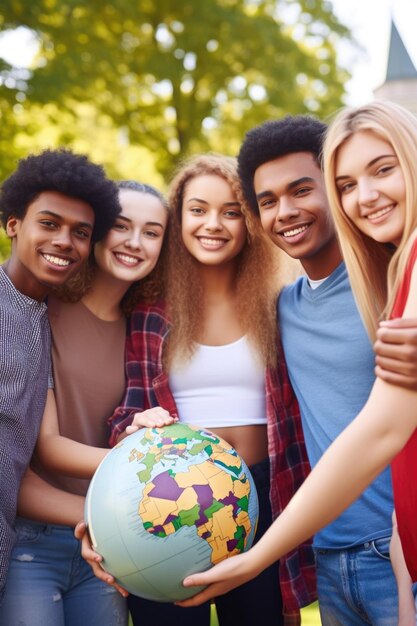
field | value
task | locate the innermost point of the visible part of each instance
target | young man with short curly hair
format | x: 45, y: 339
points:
x: 52, y: 207
x: 330, y: 359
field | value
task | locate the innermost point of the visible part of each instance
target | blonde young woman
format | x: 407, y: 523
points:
x: 370, y: 158
x: 210, y: 358
x: 49, y: 584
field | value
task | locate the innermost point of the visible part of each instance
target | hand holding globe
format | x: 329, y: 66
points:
x: 166, y: 503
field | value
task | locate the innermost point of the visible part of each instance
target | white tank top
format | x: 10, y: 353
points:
x: 220, y: 386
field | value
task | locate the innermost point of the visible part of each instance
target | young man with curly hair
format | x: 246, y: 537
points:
x: 329, y: 356
x: 52, y: 207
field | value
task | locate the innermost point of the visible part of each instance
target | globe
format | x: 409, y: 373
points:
x: 166, y: 503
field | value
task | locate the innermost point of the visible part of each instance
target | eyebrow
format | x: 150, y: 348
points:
x: 370, y: 164
x: 60, y: 218
x: 292, y: 185
x: 127, y: 219
x: 233, y: 203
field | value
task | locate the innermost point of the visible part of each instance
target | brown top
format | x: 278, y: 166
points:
x: 88, y: 369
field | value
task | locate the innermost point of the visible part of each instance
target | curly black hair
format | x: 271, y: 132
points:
x: 63, y: 171
x: 274, y: 139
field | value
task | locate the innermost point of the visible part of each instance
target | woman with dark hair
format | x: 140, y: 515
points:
x: 49, y: 584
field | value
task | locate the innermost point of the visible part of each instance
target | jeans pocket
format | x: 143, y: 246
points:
x: 27, y: 533
x: 380, y: 547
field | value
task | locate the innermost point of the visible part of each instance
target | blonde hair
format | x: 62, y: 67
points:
x: 148, y: 289
x: 375, y: 269
x: 255, y: 289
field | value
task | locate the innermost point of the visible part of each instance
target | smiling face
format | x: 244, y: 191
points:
x: 295, y: 213
x: 213, y: 226
x: 371, y: 186
x: 49, y: 243
x: 131, y: 249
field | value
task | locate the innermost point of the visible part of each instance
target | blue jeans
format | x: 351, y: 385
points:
x: 50, y: 584
x: 356, y: 586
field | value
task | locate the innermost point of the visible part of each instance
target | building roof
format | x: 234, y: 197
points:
x: 399, y: 65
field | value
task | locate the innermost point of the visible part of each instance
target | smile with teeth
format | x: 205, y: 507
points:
x: 380, y: 212
x: 125, y: 258
x: 295, y: 231
x: 56, y: 260
x: 209, y: 241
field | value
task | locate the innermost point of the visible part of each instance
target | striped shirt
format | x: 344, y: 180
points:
x: 147, y: 387
x: 24, y: 380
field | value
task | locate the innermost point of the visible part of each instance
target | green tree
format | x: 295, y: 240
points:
x: 4, y: 246
x: 178, y: 77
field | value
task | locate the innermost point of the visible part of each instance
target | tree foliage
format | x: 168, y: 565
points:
x: 179, y: 77
x: 4, y: 246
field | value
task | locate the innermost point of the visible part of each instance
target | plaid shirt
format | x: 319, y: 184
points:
x: 147, y: 387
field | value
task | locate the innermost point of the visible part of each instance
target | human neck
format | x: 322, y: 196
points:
x: 323, y: 263
x: 104, y: 297
x: 23, y: 281
x: 219, y: 283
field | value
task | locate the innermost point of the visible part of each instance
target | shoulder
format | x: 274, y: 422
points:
x: 149, y: 317
x: 290, y: 292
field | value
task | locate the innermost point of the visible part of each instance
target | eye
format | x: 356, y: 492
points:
x: 151, y: 234
x: 196, y: 210
x: 48, y: 223
x: 233, y: 214
x: 385, y: 169
x: 302, y: 191
x: 345, y: 187
x: 266, y: 203
x: 83, y: 234
x: 120, y: 226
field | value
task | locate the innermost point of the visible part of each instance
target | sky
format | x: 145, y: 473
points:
x: 369, y: 21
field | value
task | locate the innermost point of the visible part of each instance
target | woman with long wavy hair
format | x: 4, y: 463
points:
x: 210, y: 358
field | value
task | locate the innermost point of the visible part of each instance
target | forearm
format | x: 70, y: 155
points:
x: 345, y: 470
x: 63, y: 455
x: 68, y: 457
x: 40, y: 501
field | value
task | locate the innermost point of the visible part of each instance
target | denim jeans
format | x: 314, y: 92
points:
x: 357, y: 586
x: 50, y: 584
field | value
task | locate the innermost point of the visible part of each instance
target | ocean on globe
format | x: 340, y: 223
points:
x: 168, y: 502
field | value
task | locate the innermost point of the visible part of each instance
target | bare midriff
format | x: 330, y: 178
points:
x: 250, y: 442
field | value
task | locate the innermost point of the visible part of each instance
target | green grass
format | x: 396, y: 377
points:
x: 310, y: 616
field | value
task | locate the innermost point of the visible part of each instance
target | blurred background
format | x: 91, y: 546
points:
x: 139, y: 84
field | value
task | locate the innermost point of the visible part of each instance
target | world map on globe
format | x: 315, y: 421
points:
x: 168, y: 502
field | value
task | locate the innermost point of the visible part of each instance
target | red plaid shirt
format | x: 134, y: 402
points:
x: 147, y: 387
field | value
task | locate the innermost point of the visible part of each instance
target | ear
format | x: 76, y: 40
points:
x: 12, y: 226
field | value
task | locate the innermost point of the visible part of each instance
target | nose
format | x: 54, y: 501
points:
x: 133, y: 241
x: 213, y: 221
x: 63, y: 239
x: 367, y: 194
x: 286, y: 209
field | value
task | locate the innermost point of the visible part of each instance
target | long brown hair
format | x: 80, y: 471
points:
x: 255, y: 281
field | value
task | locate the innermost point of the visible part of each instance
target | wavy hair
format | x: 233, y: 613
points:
x: 375, y: 269
x: 148, y: 289
x: 255, y: 288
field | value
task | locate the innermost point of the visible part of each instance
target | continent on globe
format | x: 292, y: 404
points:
x: 167, y: 502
